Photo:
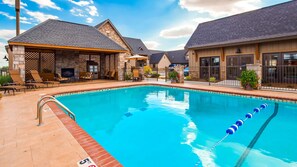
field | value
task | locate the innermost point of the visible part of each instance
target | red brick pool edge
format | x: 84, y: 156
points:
x: 99, y: 155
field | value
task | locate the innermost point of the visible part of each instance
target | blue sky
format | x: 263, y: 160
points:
x: 161, y: 24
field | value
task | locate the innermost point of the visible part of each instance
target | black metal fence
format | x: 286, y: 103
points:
x: 4, y: 72
x: 273, y: 77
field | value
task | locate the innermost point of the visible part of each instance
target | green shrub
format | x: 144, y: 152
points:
x: 188, y: 78
x: 212, y: 79
x: 147, y: 70
x: 173, y: 75
x: 248, y: 79
x: 5, y: 79
x: 155, y: 75
x: 128, y: 76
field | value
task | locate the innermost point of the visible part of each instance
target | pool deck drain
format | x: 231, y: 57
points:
x: 22, y: 143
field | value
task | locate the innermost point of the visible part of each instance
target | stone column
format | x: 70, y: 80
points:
x: 180, y: 70
x: 19, y: 60
x: 258, y: 69
x: 121, y: 65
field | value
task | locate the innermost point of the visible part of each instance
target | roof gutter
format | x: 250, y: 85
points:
x: 210, y: 46
x: 65, y: 47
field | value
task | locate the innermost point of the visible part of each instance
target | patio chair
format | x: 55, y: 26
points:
x: 112, y: 75
x: 85, y: 75
x: 17, y: 80
x: 106, y: 74
x: 37, y: 79
x: 136, y: 75
x: 14, y: 88
x: 60, y: 78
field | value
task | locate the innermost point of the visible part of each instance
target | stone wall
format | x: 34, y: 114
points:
x: 121, y: 65
x: 67, y: 59
x: 110, y: 32
x: 19, y: 60
x: 83, y: 58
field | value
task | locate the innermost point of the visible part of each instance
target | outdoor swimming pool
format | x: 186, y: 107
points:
x: 154, y: 126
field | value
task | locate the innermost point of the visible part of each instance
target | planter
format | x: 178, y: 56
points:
x: 248, y: 87
x: 173, y: 81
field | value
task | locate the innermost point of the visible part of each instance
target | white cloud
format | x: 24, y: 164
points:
x: 7, y: 15
x: 6, y: 34
x: 218, y: 8
x: 46, y: 3
x: 178, y: 32
x: 23, y: 20
x: 85, y: 8
x: 89, y: 20
x: 81, y: 2
x: 92, y: 10
x: 11, y: 3
x: 40, y: 17
x: 180, y: 46
x: 78, y: 12
x: 151, y: 44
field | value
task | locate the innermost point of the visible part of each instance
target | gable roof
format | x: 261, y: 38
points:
x: 116, y: 30
x: 67, y: 34
x: 278, y: 21
x: 177, y: 57
x: 137, y: 46
x: 155, y: 58
x: 155, y: 51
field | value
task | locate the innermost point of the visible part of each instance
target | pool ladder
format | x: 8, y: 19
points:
x: 46, y: 99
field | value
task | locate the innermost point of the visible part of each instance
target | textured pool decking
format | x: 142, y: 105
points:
x: 22, y: 143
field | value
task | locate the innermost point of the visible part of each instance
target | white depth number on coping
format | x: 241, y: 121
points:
x: 87, y: 162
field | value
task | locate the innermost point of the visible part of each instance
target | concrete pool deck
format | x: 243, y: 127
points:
x: 22, y: 143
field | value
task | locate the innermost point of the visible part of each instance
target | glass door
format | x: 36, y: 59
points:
x: 236, y: 64
x: 210, y: 67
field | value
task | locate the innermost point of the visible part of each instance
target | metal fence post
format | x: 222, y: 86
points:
x: 209, y: 75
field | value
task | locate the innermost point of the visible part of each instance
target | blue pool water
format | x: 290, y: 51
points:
x: 152, y: 126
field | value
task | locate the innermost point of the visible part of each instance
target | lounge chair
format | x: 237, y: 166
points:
x: 106, y: 75
x: 112, y: 74
x: 136, y: 75
x: 60, y: 78
x: 14, y: 88
x: 85, y: 75
x: 37, y: 79
x: 17, y: 80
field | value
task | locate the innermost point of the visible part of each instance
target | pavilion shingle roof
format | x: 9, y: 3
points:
x: 61, y: 33
x: 277, y: 21
x: 137, y: 46
x: 155, y: 58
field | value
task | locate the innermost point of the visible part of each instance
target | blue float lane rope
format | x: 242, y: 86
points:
x: 256, y: 137
x: 234, y: 127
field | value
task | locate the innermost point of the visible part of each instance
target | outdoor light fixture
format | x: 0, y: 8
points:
x: 5, y: 57
x: 238, y: 50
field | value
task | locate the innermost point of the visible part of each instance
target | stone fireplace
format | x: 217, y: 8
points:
x: 67, y: 72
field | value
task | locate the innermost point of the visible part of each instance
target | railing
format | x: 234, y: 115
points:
x: 280, y: 77
x: 4, y: 72
x: 46, y: 99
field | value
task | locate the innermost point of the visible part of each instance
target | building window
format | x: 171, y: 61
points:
x: 290, y: 59
x: 196, y: 58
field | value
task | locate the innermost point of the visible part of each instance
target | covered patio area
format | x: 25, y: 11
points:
x: 72, y: 64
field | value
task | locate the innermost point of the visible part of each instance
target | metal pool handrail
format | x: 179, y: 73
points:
x: 51, y: 99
